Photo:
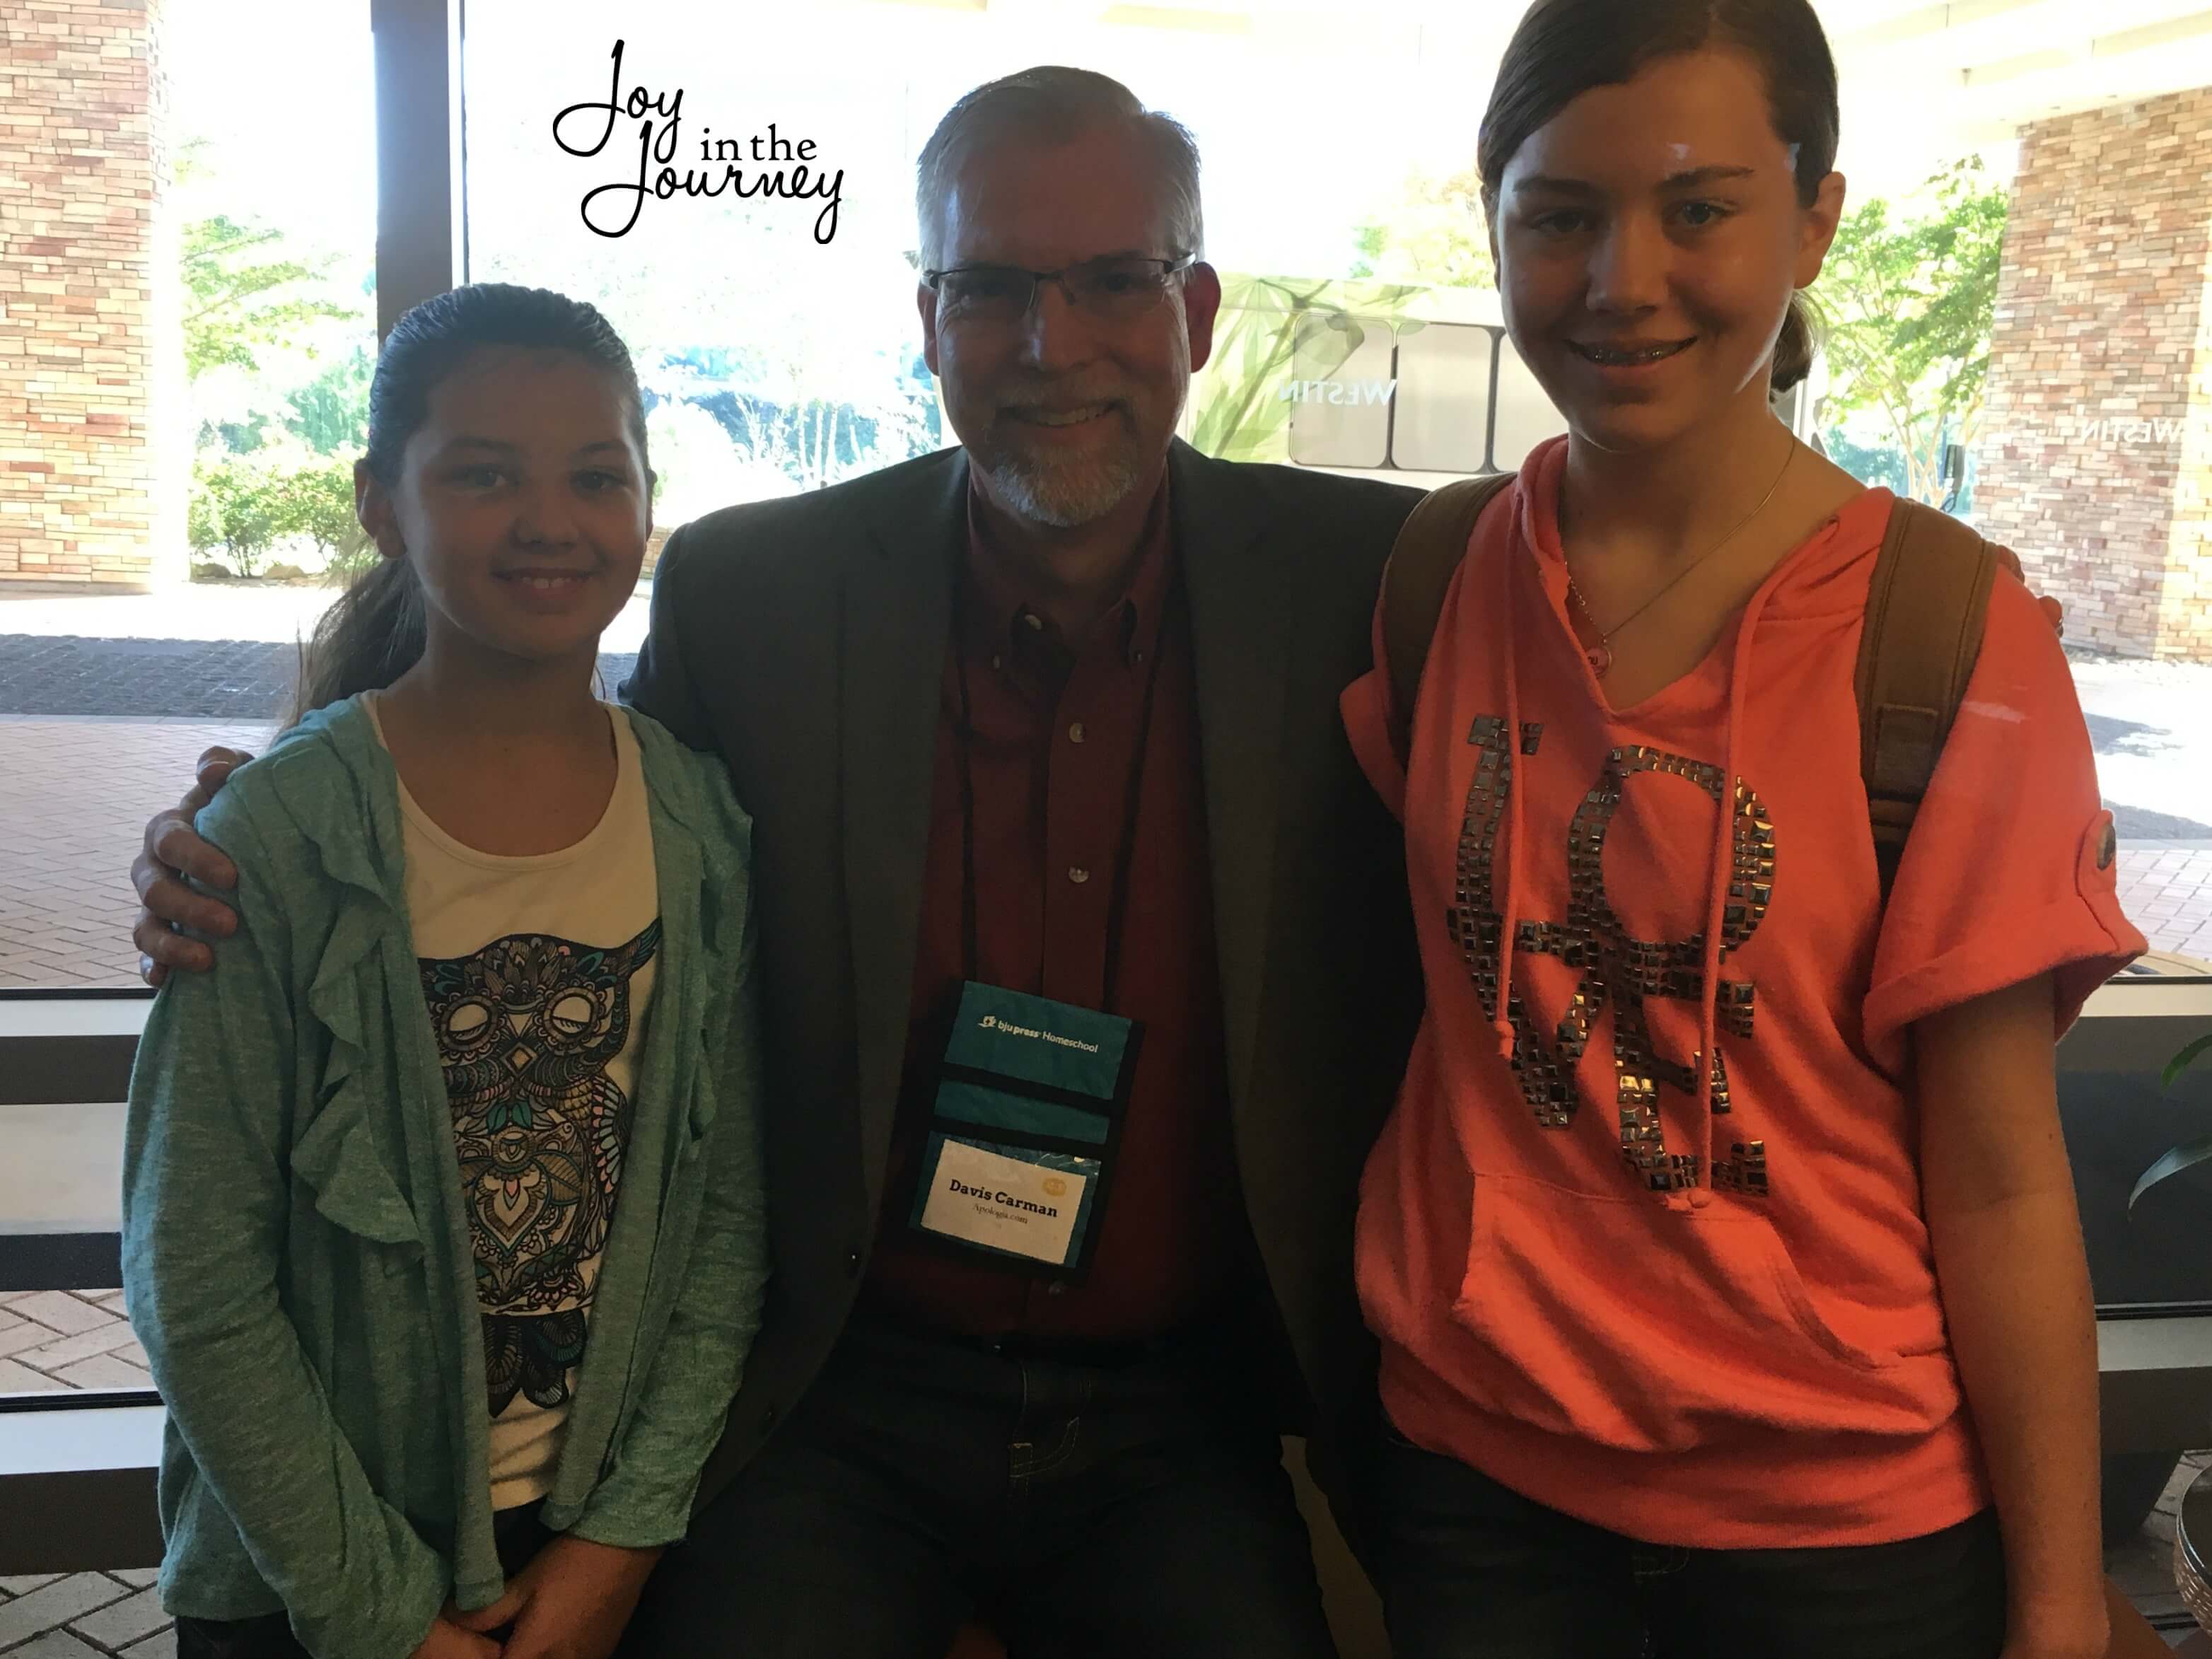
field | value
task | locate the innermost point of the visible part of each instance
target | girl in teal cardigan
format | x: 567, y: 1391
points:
x: 442, y: 1208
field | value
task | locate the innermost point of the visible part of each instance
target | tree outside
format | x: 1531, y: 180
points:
x: 1433, y: 233
x: 277, y: 338
x: 1909, y: 295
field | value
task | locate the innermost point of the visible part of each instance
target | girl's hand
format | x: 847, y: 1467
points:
x: 447, y: 1640
x: 571, y: 1601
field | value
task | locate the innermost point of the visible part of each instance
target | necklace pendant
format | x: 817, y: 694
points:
x: 1600, y: 659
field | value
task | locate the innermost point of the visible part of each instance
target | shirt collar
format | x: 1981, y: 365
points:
x: 1002, y: 618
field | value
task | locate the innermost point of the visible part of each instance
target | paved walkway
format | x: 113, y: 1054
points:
x: 82, y: 1615
x: 56, y: 1339
x: 52, y: 1340
x: 72, y: 676
x: 76, y: 796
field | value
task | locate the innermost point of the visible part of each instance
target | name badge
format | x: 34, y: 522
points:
x: 1023, y: 1131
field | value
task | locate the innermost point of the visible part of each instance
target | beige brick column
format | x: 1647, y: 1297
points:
x: 2095, y: 456
x: 82, y: 356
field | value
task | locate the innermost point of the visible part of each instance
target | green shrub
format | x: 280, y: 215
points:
x: 317, y: 502
x: 235, y: 508
x: 242, y: 505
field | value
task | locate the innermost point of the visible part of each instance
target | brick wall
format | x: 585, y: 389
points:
x: 80, y: 108
x: 2096, y: 451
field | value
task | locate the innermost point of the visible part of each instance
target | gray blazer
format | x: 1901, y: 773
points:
x: 804, y: 640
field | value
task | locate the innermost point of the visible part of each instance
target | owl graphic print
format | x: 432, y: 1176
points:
x: 537, y: 975
x: 526, y: 1027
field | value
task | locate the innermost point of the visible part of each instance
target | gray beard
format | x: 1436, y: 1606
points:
x: 1064, y: 497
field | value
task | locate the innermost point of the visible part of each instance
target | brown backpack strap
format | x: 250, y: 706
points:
x: 1924, y: 616
x: 1423, y: 560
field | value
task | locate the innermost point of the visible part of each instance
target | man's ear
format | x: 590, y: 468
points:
x: 372, y: 506
x: 1201, y: 304
x: 925, y: 300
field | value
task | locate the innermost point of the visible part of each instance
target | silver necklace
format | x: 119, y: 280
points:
x: 1600, y: 654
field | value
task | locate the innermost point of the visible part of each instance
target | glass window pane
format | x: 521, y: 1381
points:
x: 177, y: 441
x: 1444, y: 397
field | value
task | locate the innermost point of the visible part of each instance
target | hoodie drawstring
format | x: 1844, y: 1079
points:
x: 1721, y: 879
x: 1509, y: 922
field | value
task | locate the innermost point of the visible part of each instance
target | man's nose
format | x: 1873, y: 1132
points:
x: 1056, y: 334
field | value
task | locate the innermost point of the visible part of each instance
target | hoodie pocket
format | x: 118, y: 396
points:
x: 1635, y: 1325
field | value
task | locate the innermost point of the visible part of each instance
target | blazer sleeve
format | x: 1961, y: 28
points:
x: 645, y: 1499
x: 662, y: 684
x: 205, y: 1215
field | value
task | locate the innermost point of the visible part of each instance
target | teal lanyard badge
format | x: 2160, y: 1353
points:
x: 1024, y: 1128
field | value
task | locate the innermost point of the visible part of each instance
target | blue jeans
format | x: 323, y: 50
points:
x: 1085, y: 1511
x: 1471, y: 1569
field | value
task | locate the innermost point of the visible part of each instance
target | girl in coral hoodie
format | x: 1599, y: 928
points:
x: 1789, y: 1349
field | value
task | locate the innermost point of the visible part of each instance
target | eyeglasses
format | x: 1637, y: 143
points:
x: 1115, y: 287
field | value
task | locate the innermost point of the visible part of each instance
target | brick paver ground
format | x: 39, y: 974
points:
x: 211, y: 679
x: 2166, y: 891
x: 56, y: 1339
x: 75, y: 795
x: 77, y: 791
x: 80, y: 1614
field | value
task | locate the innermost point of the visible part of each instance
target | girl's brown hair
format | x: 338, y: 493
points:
x: 1564, y: 48
x: 374, y: 632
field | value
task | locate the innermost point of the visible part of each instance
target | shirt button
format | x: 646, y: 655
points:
x: 1035, y: 621
x: 1075, y: 732
x: 1058, y: 1287
x: 1077, y: 874
x: 852, y: 1263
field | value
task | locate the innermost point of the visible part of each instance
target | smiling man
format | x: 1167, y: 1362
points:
x: 1088, y: 968
x: 1039, y: 735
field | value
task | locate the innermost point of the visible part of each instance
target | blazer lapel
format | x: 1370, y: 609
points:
x: 894, y: 611
x: 1238, y: 632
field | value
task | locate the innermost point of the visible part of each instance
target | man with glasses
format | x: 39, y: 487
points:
x: 1087, y: 968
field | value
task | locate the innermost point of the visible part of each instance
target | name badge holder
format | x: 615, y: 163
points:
x: 1031, y: 1096
x: 1024, y: 1130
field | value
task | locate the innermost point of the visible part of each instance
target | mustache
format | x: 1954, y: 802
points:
x: 1068, y: 395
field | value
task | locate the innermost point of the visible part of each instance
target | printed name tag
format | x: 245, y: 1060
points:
x: 1004, y: 1203
x: 1024, y: 1126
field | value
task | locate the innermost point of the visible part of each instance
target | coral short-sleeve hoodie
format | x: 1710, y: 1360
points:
x: 1695, y: 1302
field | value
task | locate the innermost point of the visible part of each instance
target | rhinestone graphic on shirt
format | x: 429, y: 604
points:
x: 1618, y: 970
x: 526, y: 1027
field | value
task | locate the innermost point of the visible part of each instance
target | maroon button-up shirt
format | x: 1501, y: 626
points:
x: 1057, y: 731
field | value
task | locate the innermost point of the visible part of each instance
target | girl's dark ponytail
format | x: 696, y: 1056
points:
x: 1799, y: 344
